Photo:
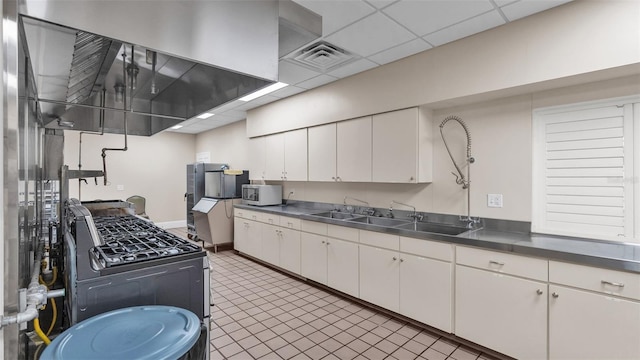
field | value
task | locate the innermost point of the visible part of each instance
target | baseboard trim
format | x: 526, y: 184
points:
x: 172, y: 224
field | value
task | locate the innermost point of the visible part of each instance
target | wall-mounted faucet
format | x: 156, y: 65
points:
x: 416, y: 216
x: 350, y: 208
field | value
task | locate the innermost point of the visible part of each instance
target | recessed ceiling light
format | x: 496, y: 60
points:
x: 265, y: 91
x: 205, y: 115
x: 176, y: 127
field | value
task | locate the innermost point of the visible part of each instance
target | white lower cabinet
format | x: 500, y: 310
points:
x: 596, y: 315
x: 313, y: 257
x: 425, y: 290
x: 271, y: 244
x: 379, y: 277
x: 502, y: 312
x: 342, y: 266
x: 247, y: 237
x: 290, y: 250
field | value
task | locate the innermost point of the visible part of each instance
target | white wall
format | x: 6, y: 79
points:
x: 227, y: 144
x: 579, y: 42
x: 153, y: 167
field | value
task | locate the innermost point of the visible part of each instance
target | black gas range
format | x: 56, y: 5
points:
x: 117, y: 261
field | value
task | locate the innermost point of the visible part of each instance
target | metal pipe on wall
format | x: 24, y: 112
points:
x: 124, y: 99
x: 102, y: 103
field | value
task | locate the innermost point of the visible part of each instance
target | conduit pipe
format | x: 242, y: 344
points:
x: 102, y: 104
x: 124, y: 99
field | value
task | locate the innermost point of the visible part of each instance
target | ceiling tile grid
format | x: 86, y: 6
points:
x: 377, y: 32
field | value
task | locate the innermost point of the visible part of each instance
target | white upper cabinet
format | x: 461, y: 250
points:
x: 354, y: 150
x: 322, y: 153
x: 295, y: 155
x: 365, y: 149
x: 257, y: 158
x: 401, y: 142
x: 274, y: 153
x: 286, y: 156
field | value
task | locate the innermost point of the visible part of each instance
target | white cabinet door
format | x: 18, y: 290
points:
x: 584, y: 325
x: 274, y: 157
x: 257, y: 158
x: 313, y: 254
x: 425, y: 290
x: 271, y: 244
x: 322, y: 153
x: 379, y: 277
x: 502, y: 312
x: 295, y: 155
x: 240, y: 234
x: 342, y: 266
x: 395, y: 146
x: 290, y: 250
x: 254, y: 239
x: 354, y: 150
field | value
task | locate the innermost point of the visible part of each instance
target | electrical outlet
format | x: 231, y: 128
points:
x: 494, y: 200
x: 120, y: 187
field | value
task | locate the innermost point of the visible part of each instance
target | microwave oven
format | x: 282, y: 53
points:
x: 262, y: 195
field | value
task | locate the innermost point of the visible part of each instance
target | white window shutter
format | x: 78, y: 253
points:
x: 583, y: 170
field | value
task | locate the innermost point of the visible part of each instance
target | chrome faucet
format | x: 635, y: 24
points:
x: 350, y: 208
x: 416, y: 216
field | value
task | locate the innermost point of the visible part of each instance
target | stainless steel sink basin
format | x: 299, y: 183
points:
x: 380, y: 221
x: 337, y: 215
x: 433, y: 228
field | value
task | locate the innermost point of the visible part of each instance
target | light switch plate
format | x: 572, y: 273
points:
x: 494, y: 200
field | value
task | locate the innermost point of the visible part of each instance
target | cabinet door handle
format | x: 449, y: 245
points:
x: 394, y: 258
x: 493, y: 262
x: 411, y: 178
x: 539, y: 292
x: 333, y: 178
x: 555, y: 295
x: 328, y: 243
x: 605, y: 282
x: 401, y: 260
x: 338, y: 178
x: 290, y: 224
x: 323, y: 241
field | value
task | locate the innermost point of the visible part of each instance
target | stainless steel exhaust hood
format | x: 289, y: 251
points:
x: 188, y: 57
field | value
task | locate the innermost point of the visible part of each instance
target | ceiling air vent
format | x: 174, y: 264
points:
x: 323, y: 56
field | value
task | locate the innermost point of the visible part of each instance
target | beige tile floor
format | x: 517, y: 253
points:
x: 260, y: 313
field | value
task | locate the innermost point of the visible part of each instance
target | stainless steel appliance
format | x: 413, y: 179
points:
x: 195, y: 189
x: 262, y: 195
x: 116, y: 261
x: 224, y: 184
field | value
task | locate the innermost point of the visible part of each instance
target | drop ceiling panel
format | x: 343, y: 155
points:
x: 337, y: 14
x: 292, y: 74
x: 371, y: 35
x: 524, y: 8
x: 353, y: 68
x: 379, y: 4
x: 407, y: 49
x: 424, y: 17
x: 287, y: 91
x: 317, y: 81
x: 468, y: 27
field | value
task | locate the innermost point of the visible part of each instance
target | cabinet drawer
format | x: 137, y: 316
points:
x: 341, y: 232
x: 290, y: 223
x: 387, y: 241
x: 252, y: 215
x: 596, y: 279
x: 313, y: 227
x: 532, y: 268
x: 270, y: 218
x: 426, y: 248
x: 241, y: 213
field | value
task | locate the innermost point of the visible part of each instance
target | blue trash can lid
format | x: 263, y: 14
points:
x: 141, y: 333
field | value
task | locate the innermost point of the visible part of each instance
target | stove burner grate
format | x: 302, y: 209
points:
x: 128, y: 239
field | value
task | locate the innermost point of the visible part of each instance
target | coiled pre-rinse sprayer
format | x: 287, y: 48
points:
x: 460, y: 178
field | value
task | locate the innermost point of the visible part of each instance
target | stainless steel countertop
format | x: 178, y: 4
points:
x: 611, y: 255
